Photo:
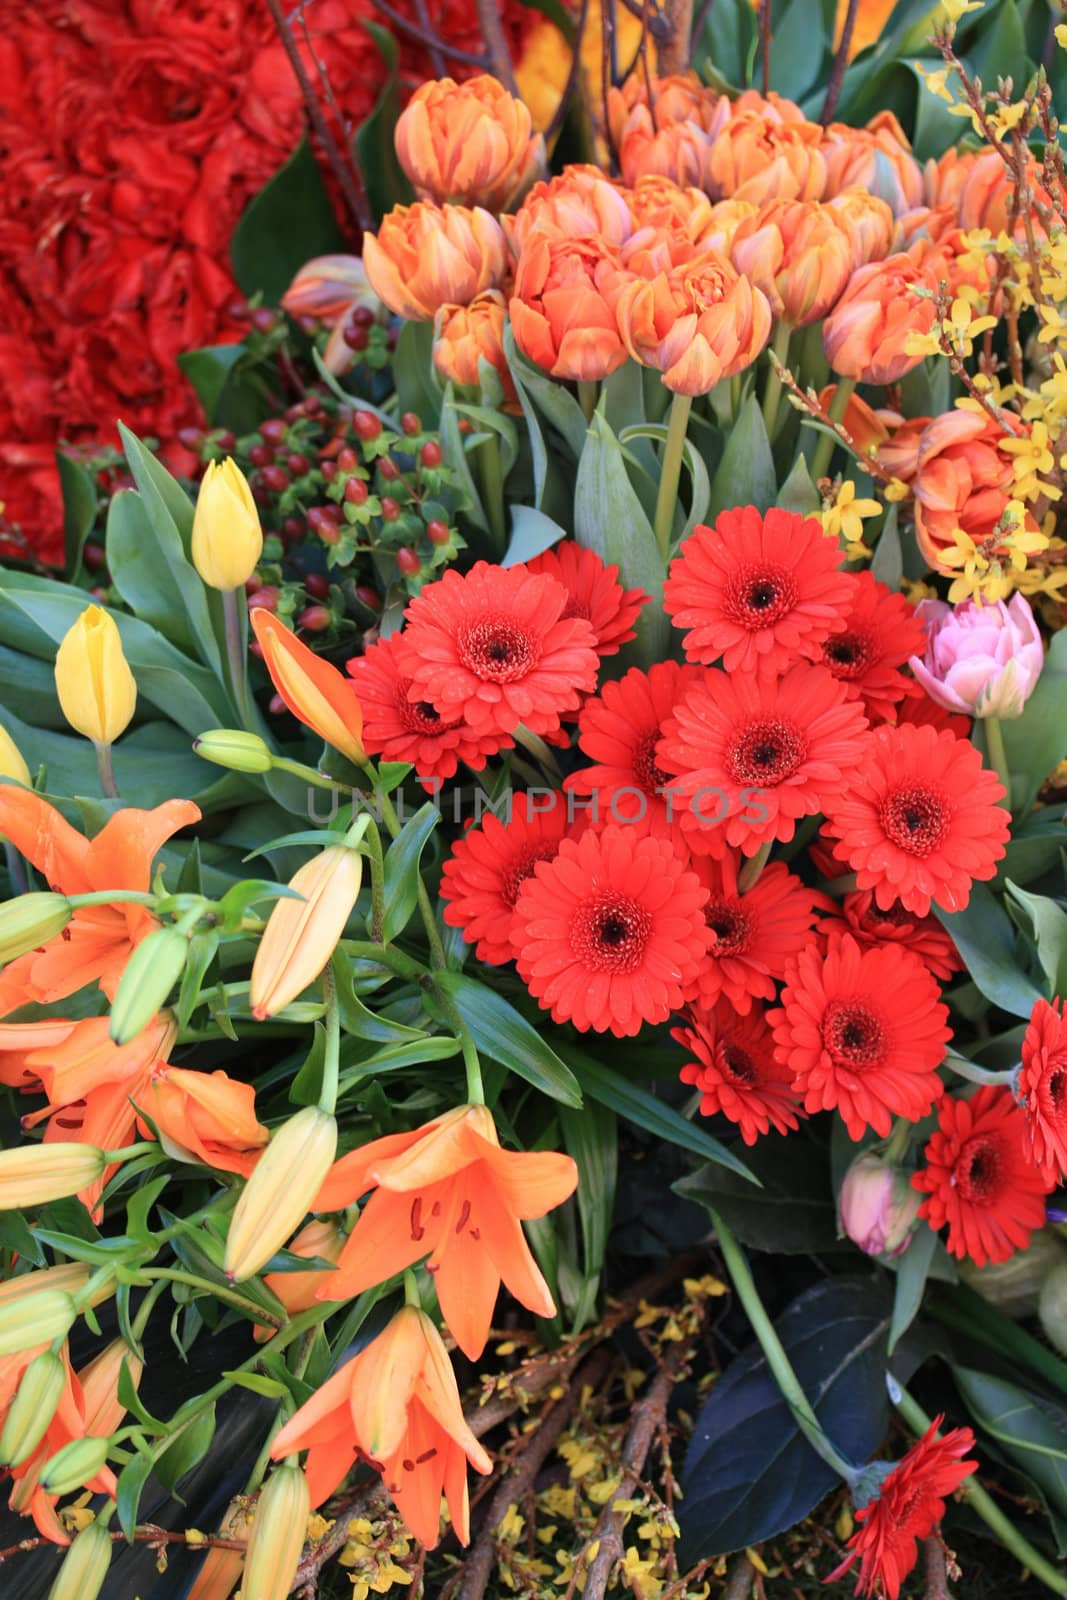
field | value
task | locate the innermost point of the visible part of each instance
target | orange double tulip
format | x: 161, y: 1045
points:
x: 878, y: 158
x: 561, y: 313
x: 464, y: 336
x: 425, y: 256
x: 964, y: 479
x: 695, y: 324
x: 580, y: 203
x: 799, y: 254
x: 759, y: 157
x: 472, y: 143
x: 868, y: 334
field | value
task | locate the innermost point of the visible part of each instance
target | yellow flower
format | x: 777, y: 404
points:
x: 1031, y: 455
x: 227, y: 537
x: 12, y: 764
x: 843, y: 519
x: 96, y: 689
x: 1061, y: 35
x: 955, y: 9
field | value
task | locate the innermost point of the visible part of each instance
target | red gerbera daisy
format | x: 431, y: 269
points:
x: 619, y: 729
x: 611, y: 931
x: 402, y: 729
x: 980, y: 1178
x: 489, y: 865
x: 908, y: 1507
x: 863, y: 1031
x: 595, y: 593
x: 496, y: 647
x: 923, y: 712
x: 919, y: 822
x: 749, y: 755
x: 923, y: 936
x: 1042, y: 1086
x: 754, y: 935
x: 736, y: 1071
x: 761, y: 591
x: 880, y: 633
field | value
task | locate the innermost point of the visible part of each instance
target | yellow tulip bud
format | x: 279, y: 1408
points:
x: 97, y: 692
x: 31, y: 920
x: 276, y: 1198
x: 227, y: 537
x: 74, y: 1465
x: 81, y: 1577
x: 35, y: 1320
x: 39, y: 1392
x: 12, y: 764
x: 301, y: 935
x: 230, y: 747
x: 31, y: 1174
x: 277, y: 1536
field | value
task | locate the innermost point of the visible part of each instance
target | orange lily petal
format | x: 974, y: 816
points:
x: 123, y: 852
x: 44, y: 836
x: 319, y: 696
x: 530, y: 1183
x: 349, y: 1178
x: 381, y: 1392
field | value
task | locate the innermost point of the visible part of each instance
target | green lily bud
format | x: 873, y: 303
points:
x: 32, y: 1409
x: 151, y: 973
x: 230, y: 747
x: 73, y: 1466
x: 31, y: 920
x: 81, y: 1577
x: 277, y: 1536
x: 36, y: 1319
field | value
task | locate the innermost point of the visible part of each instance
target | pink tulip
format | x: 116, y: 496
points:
x: 877, y: 1206
x: 983, y: 660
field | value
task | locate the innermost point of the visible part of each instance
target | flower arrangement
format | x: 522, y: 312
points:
x: 534, y: 934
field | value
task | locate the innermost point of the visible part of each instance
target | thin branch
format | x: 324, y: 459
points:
x: 147, y: 1533
x: 837, y: 71
x: 431, y: 40
x: 701, y: 21
x: 573, y: 73
x: 492, y: 31
x: 433, y: 50
x: 674, y: 47
x: 935, y: 1570
x: 739, y: 1583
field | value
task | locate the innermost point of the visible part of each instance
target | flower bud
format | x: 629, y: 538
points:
x: 424, y: 256
x: 229, y: 747
x: 150, y: 974
x: 31, y: 920
x: 12, y: 764
x: 34, y: 1173
x: 81, y: 1577
x: 70, y: 1276
x: 221, y: 1569
x: 878, y: 1206
x: 35, y: 1319
x: 227, y: 537
x: 96, y: 689
x: 277, y: 1196
x: 469, y: 142
x: 328, y: 287
x: 301, y: 935
x: 277, y: 1536
x: 32, y: 1409
x: 319, y: 696
x: 72, y: 1467
x: 982, y: 660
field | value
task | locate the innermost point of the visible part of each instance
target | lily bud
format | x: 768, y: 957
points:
x: 81, y: 1577
x: 319, y: 696
x: 277, y: 1536
x: 36, y: 1319
x: 96, y: 689
x: 12, y: 764
x: 72, y: 1467
x: 31, y: 920
x: 32, y: 1409
x: 70, y: 1276
x: 34, y: 1173
x: 227, y: 537
x: 878, y: 1206
x: 278, y: 1195
x: 229, y: 747
x: 221, y: 1569
x: 150, y: 974
x: 301, y: 935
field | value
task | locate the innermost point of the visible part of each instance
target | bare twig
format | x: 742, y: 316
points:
x: 837, y: 71
x: 492, y: 32
x: 429, y: 38
x: 573, y: 73
x: 739, y: 1583
x: 935, y: 1568
x: 147, y: 1533
x: 422, y: 11
x: 673, y: 51
x: 701, y: 21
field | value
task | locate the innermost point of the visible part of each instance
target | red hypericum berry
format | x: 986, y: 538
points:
x: 328, y: 470
x: 294, y: 412
x: 274, y: 429
x: 332, y: 512
x: 410, y: 423
x: 390, y: 339
x: 362, y: 316
x: 356, y: 491
x: 298, y: 464
x: 368, y: 597
x: 98, y: 592
x: 276, y: 478
x: 316, y: 518
x: 366, y: 425
x: 238, y: 310
x: 431, y: 455
x: 355, y: 338
x: 388, y: 469
x: 255, y: 649
x: 347, y: 459
x: 276, y: 705
x: 261, y: 494
x: 390, y: 509
x: 261, y: 455
x: 293, y: 528
x: 253, y: 585
x: 313, y: 406
x: 464, y: 426
x: 225, y: 440
x: 263, y: 319
x: 94, y: 556
x: 438, y: 532
x: 317, y: 585
x: 264, y: 599
x: 407, y: 561
x: 308, y: 325
x: 314, y: 619
x: 191, y: 438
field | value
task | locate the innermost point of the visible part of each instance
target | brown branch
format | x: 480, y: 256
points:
x: 837, y: 71
x: 147, y: 1533
x: 807, y: 400
x: 430, y: 39
x: 739, y: 1583
x: 492, y: 32
x: 674, y: 48
x: 433, y: 49
x: 935, y: 1570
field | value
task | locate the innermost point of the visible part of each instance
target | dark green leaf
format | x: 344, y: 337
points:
x: 1037, y: 741
x: 792, y: 1214
x: 402, y: 869
x: 501, y: 1033
x: 191, y: 1446
x: 1031, y: 1429
x: 79, y: 510
x: 287, y: 222
x: 131, y: 1481
x: 1045, y: 921
x: 913, y: 1269
x: 386, y: 181
x: 746, y: 475
x: 591, y: 1139
x: 531, y: 534
x: 985, y: 939
x: 209, y: 370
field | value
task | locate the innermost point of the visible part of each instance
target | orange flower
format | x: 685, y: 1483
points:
x: 871, y: 18
x: 878, y: 158
x: 299, y: 1291
x: 396, y: 1403
x: 759, y: 157
x: 303, y: 930
x: 330, y: 288
x: 425, y: 256
x: 680, y: 151
x: 464, y: 336
x: 448, y: 1191
x: 899, y: 454
x: 869, y: 429
x: 944, y: 179
x: 319, y: 696
x: 660, y: 203
x: 799, y: 254
x: 559, y: 313
x: 964, y: 479
x: 695, y: 324
x: 204, y: 1116
x: 96, y: 944
x: 866, y: 335
x: 670, y: 137
x: 985, y: 196
x: 470, y: 142
x: 678, y: 97
x: 580, y: 203
x: 924, y: 222
x: 868, y: 223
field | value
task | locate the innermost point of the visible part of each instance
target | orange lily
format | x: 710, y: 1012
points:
x: 94, y: 947
x: 207, y: 1116
x: 298, y: 1291
x: 396, y: 1403
x: 319, y: 696
x: 448, y: 1191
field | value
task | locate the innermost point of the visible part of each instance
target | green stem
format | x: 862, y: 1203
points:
x: 319, y: 779
x: 492, y: 481
x: 973, y: 1073
x: 236, y: 657
x: 670, y: 472
x: 587, y: 397
x: 779, y: 1363
x: 411, y: 1290
x: 105, y: 767
x: 772, y: 394
x: 130, y: 1151
x: 331, y: 1061
x: 539, y: 749
x: 372, y: 840
x: 750, y: 872
x: 219, y: 1290
x: 392, y: 823
x: 107, y: 897
x: 984, y: 1504
x: 145, y: 1309
x: 994, y: 738
x: 472, y: 1065
x: 898, y: 1140
x: 824, y: 449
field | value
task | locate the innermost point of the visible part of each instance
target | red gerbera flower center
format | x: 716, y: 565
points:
x: 758, y: 597
x: 1057, y: 1087
x: 514, y: 880
x: 610, y: 933
x: 498, y: 649
x: 915, y: 818
x: 847, y: 655
x: 976, y: 1176
x: 730, y: 925
x: 767, y: 752
x: 736, y: 1063
x: 897, y: 916
x: 647, y: 773
x: 853, y: 1034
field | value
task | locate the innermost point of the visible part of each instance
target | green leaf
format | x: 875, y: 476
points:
x: 1045, y: 921
x: 356, y: 1019
x: 416, y: 387
x: 532, y: 533
x: 791, y: 1214
x: 190, y: 1447
x: 887, y: 564
x: 1037, y: 741
x: 285, y: 224
x: 504, y: 1035
x: 386, y: 181
x: 591, y: 1139
x: 913, y: 1269
x: 799, y: 49
x: 698, y: 472
x: 402, y: 866
x: 131, y: 1482
x: 79, y: 510
x: 257, y: 1383
x: 985, y: 939
x: 556, y: 404
x: 210, y: 370
x: 1031, y: 1429
x: 745, y: 475
x: 391, y: 1057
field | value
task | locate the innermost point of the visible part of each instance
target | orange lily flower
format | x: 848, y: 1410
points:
x: 298, y: 1291
x: 96, y: 944
x: 319, y: 696
x: 205, y: 1116
x: 448, y: 1191
x: 396, y: 1403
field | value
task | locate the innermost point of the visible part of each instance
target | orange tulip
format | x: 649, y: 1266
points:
x: 867, y: 334
x: 658, y: 202
x: 899, y: 454
x: 985, y: 196
x: 204, y: 1116
x: 924, y: 222
x: 559, y: 313
x: 799, y: 254
x: 878, y: 158
x: 695, y: 324
x: 470, y: 142
x: 871, y: 17
x: 759, y: 158
x: 96, y: 944
x: 319, y: 696
x: 464, y: 336
x: 299, y: 1291
x: 944, y: 179
x: 868, y: 429
x: 580, y: 203
x: 424, y: 256
x: 868, y: 223
x: 773, y: 107
x: 397, y: 1404
x: 964, y: 479
x: 449, y: 1192
x: 680, y: 151
x: 678, y: 97
x: 669, y: 135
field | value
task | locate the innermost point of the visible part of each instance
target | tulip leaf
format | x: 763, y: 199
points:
x: 798, y: 493
x: 698, y: 472
x: 503, y: 1034
x: 454, y: 447
x: 146, y: 578
x: 888, y: 562
x: 745, y: 476
x: 1037, y: 741
x: 79, y: 510
x: 283, y: 226
x: 984, y: 937
x: 532, y: 533
x: 555, y: 403
x: 799, y: 49
x: 913, y: 1269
